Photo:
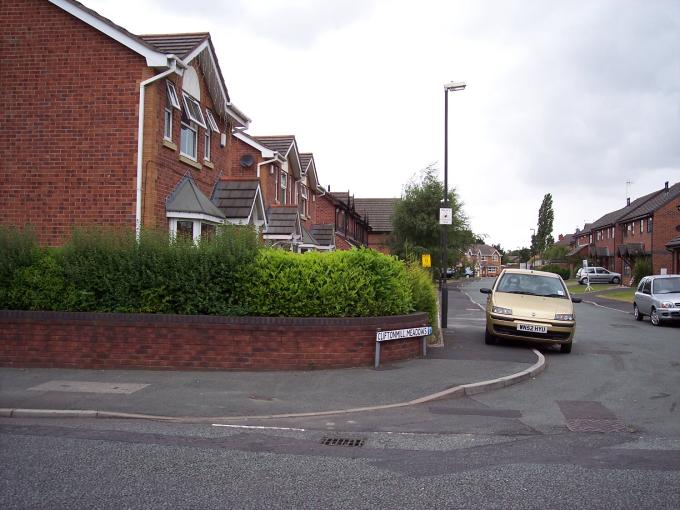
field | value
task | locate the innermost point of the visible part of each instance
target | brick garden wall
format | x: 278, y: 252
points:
x: 171, y: 342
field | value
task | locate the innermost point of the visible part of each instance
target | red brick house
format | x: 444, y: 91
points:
x: 484, y: 259
x: 338, y: 209
x: 645, y: 228
x: 124, y: 125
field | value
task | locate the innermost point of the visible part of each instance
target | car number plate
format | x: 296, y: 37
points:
x: 532, y: 328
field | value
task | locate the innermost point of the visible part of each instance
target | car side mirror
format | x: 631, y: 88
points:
x: 484, y: 290
x: 576, y: 299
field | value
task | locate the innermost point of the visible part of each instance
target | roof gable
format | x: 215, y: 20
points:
x: 239, y: 199
x: 154, y: 57
x: 378, y: 212
x: 661, y: 198
x: 287, y: 147
x: 187, y: 198
x: 309, y: 169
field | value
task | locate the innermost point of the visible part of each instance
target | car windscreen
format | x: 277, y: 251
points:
x: 532, y: 285
x: 666, y: 285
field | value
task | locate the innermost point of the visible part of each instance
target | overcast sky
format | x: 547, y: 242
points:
x: 572, y: 98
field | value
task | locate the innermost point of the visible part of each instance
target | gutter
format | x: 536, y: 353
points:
x: 140, y: 138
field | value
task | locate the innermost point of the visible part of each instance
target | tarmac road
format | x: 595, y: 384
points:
x: 597, y: 429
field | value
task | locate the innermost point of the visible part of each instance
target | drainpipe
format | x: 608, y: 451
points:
x: 140, y: 141
x: 264, y: 163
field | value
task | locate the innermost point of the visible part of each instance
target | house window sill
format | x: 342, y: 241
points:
x: 190, y: 162
x: 209, y: 164
x: 168, y: 143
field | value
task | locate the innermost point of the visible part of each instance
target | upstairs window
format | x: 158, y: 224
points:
x: 642, y: 226
x: 284, y: 187
x: 188, y: 139
x: 303, y: 199
x: 172, y: 94
x: 211, y: 121
x: 649, y: 225
x: 192, y: 109
x: 170, y: 103
x: 206, y: 142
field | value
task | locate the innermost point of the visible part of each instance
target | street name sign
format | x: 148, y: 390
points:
x: 396, y: 334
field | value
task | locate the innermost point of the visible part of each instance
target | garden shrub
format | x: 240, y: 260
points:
x: 642, y: 268
x: 355, y: 283
x: 554, y: 268
x: 18, y: 249
x: 110, y: 271
x: 424, y: 294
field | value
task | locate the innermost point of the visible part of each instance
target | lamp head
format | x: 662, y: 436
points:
x: 454, y: 86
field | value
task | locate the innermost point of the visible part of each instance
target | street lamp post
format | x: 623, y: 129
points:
x: 453, y: 86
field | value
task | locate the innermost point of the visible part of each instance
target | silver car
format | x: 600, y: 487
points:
x: 597, y: 275
x: 658, y: 297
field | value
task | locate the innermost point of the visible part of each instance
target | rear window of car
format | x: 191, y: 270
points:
x: 531, y: 284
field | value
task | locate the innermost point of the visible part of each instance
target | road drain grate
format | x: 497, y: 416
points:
x: 590, y: 425
x: 343, y: 441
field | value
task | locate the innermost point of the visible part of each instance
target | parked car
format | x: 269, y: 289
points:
x: 597, y: 275
x: 530, y: 305
x: 659, y: 298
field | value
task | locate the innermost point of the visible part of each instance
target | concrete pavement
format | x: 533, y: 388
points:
x: 464, y: 365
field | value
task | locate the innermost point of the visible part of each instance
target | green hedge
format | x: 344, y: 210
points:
x: 18, y: 250
x: 355, y: 283
x: 554, y: 268
x: 109, y: 271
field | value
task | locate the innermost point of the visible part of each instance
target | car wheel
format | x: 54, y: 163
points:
x: 582, y: 281
x: 654, y: 316
x: 616, y: 280
x: 636, y: 313
x: 489, y: 339
x: 565, y: 348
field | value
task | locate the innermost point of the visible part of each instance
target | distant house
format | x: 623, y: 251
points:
x: 379, y: 213
x: 485, y: 259
x: 644, y: 229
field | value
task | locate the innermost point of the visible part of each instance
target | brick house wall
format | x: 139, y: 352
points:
x: 71, y: 157
x: 666, y: 227
x: 379, y: 241
x: 70, y: 129
x: 605, y: 238
x: 163, y: 166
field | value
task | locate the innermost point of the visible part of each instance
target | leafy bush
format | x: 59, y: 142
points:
x: 108, y: 271
x: 642, y: 268
x: 18, y: 249
x: 554, y: 268
x: 424, y: 294
x: 351, y: 283
x: 41, y: 286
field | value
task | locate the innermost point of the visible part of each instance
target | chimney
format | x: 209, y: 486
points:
x: 628, y: 201
x: 560, y: 237
x: 666, y: 187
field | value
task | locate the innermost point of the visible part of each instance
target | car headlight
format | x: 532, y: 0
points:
x: 564, y: 316
x: 667, y: 304
x: 502, y: 311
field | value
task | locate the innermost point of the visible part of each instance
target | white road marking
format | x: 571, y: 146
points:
x: 256, y: 427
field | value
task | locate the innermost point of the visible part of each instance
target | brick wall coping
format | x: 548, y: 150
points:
x: 157, y: 318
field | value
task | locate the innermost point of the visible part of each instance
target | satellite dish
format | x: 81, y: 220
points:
x: 246, y: 160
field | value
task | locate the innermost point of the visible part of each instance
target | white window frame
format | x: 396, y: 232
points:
x: 276, y: 183
x: 190, y: 127
x: 206, y: 149
x: 172, y: 94
x: 196, y: 225
x: 284, y: 188
x: 192, y: 108
x: 211, y: 121
x: 167, y: 124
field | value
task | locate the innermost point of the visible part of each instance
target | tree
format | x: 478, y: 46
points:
x: 543, y: 237
x: 416, y: 227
